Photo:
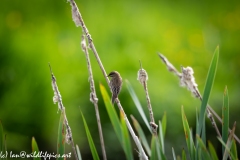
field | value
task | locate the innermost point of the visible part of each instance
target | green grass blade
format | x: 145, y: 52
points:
x: 174, y: 155
x: 153, y: 149
x: 161, y: 139
x: 225, y: 117
x: 126, y: 139
x: 212, y: 151
x: 207, y: 89
x: 204, y: 131
x: 227, y: 151
x: 61, y: 136
x: 197, y: 124
x: 184, y: 157
x: 204, y: 152
x: 137, y: 104
x: 35, y: 149
x: 164, y: 123
x: 78, y: 153
x: 90, y: 141
x: 188, y: 136
x: 234, y: 149
x: 112, y: 113
x: 229, y: 143
x: 141, y: 135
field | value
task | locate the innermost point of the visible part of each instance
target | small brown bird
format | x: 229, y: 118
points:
x: 115, y: 84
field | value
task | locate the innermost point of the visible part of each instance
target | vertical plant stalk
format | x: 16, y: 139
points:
x: 143, y: 77
x: 57, y: 98
x: 93, y: 95
x: 77, y: 18
x: 187, y: 79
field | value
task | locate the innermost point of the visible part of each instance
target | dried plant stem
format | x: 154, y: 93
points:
x: 77, y: 18
x: 220, y: 120
x: 143, y: 77
x: 152, y: 122
x: 58, y: 99
x: 194, y: 90
x: 93, y: 96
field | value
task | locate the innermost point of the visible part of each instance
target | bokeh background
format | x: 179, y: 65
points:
x: 124, y: 32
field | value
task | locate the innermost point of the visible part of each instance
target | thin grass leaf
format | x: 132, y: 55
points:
x: 199, y: 153
x: 207, y: 89
x: 229, y: 143
x: 35, y: 149
x: 78, y: 153
x: 203, y: 149
x: 226, y: 150
x: 90, y: 141
x: 112, y: 113
x: 153, y: 149
x: 188, y: 136
x: 61, y: 136
x: 161, y: 139
x: 141, y: 135
x: 197, y: 125
x: 164, y: 124
x: 225, y: 117
x: 160, y: 154
x: 234, y: 149
x: 203, y: 137
x: 126, y: 139
x: 174, y: 155
x: 137, y: 104
x: 184, y: 157
x: 212, y: 151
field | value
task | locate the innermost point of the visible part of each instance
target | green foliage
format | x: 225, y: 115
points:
x: 225, y: 118
x: 212, y: 151
x: 90, y: 140
x: 61, y: 136
x: 35, y: 148
x: 126, y: 139
x: 202, y: 150
x: 164, y: 124
x: 142, y: 136
x: 207, y: 89
x: 188, y: 136
x: 3, y: 145
x: 1, y: 137
x: 154, y: 155
x: 234, y: 150
x: 118, y: 127
x: 78, y: 153
x: 137, y: 103
x: 33, y: 35
x: 174, y: 155
x: 184, y: 157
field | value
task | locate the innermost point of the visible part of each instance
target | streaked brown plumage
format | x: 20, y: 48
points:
x: 115, y: 84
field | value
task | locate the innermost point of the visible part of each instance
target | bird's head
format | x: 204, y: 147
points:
x: 113, y: 74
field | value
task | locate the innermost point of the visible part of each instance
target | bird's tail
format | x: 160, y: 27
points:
x: 114, y: 96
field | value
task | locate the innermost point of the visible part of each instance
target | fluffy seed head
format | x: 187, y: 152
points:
x: 142, y: 76
x: 188, y: 81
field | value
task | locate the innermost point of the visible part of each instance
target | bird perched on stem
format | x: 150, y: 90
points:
x: 115, y: 84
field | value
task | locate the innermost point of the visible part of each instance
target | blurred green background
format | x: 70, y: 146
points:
x: 124, y: 32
